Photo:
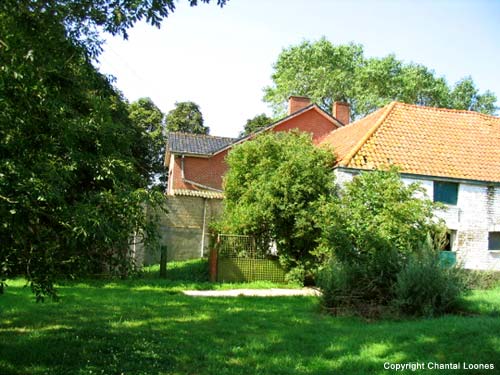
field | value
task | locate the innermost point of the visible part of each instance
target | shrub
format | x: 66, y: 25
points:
x: 483, y: 279
x: 273, y: 188
x: 372, y: 229
x: 426, y: 288
x: 339, y: 284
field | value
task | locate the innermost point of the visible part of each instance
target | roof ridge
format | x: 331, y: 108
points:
x: 332, y: 119
x: 200, y: 135
x: 356, y: 122
x: 452, y: 110
x: 347, y: 159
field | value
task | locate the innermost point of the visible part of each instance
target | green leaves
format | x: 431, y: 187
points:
x: 326, y: 73
x: 375, y: 225
x: 186, y: 117
x: 272, y: 190
x: 71, y: 172
x: 149, y: 146
x: 256, y: 123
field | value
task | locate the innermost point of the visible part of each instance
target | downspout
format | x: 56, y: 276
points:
x: 182, y: 167
x: 203, y: 227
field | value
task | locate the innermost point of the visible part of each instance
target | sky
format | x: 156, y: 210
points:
x: 222, y: 58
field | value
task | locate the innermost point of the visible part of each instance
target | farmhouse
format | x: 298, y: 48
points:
x: 455, y: 155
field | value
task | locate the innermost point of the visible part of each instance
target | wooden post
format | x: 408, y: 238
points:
x: 212, y: 260
x: 163, y: 261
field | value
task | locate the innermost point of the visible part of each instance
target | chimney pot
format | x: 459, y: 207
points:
x: 296, y: 103
x: 342, y: 112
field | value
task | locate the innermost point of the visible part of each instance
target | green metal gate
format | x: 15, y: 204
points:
x: 239, y: 259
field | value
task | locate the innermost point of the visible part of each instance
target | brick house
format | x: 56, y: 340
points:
x: 197, y: 162
x: 196, y: 165
x: 455, y: 155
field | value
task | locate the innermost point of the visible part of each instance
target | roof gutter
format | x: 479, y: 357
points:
x: 424, y: 176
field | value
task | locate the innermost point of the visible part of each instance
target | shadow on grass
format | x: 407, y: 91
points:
x: 119, y: 330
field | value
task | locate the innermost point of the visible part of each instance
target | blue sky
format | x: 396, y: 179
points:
x: 222, y: 58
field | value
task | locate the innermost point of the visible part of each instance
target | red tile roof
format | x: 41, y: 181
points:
x: 422, y: 140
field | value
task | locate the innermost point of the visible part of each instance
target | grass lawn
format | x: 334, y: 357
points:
x: 147, y: 326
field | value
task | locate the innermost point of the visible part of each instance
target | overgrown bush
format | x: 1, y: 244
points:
x: 372, y: 229
x: 424, y: 287
x: 341, y: 284
x: 478, y: 279
x: 383, y: 235
x: 273, y: 188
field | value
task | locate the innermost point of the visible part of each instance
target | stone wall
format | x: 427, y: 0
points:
x: 183, y: 229
x: 476, y: 214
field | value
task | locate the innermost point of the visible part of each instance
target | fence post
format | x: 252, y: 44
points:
x: 212, y: 259
x: 163, y: 261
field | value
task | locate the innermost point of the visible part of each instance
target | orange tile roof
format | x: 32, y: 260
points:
x: 422, y: 140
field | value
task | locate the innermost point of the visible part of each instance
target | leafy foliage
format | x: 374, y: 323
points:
x: 73, y: 177
x: 186, y: 117
x: 327, y: 73
x: 84, y: 19
x: 372, y: 230
x: 272, y: 189
x: 151, y: 141
x: 426, y: 288
x: 256, y: 123
x: 480, y: 279
x: 466, y: 96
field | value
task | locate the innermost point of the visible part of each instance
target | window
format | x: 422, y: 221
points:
x: 449, y: 244
x: 446, y: 192
x: 494, y: 241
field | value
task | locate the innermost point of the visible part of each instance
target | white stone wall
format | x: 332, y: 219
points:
x: 341, y: 177
x: 477, y: 212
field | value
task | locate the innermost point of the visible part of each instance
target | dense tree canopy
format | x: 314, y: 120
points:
x: 256, y: 123
x: 73, y: 179
x: 152, y: 141
x: 327, y: 73
x: 272, y: 190
x: 186, y: 117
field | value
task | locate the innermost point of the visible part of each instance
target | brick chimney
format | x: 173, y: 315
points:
x: 296, y: 103
x: 342, y: 112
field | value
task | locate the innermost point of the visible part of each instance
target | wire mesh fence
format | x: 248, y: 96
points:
x: 242, y: 258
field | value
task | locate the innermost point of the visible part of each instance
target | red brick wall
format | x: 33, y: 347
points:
x: 309, y: 121
x: 209, y: 171
x: 205, y: 171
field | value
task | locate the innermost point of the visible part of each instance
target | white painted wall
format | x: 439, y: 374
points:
x: 477, y: 212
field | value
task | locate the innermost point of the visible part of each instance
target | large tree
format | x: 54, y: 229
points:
x: 326, y: 73
x: 72, y: 187
x: 272, y: 190
x: 465, y: 95
x: 186, y: 117
x: 151, y: 140
x: 256, y: 123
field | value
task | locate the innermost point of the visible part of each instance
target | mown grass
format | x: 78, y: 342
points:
x: 147, y: 326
